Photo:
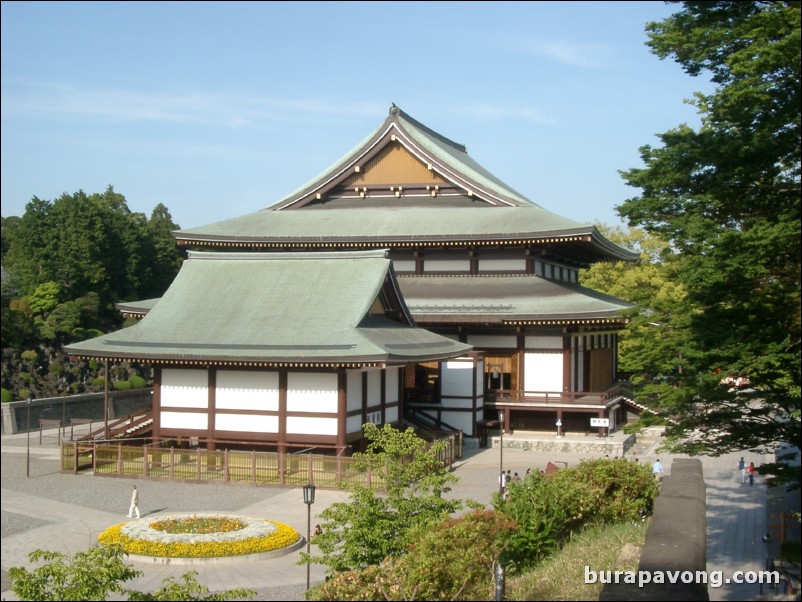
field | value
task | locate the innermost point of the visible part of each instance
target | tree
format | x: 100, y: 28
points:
x: 452, y: 560
x: 651, y: 347
x: 167, y: 257
x: 371, y: 525
x: 726, y: 198
x: 97, y: 573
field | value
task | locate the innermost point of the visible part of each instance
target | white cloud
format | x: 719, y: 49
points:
x: 167, y: 106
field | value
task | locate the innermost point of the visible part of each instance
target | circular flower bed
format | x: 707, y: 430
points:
x: 199, y: 536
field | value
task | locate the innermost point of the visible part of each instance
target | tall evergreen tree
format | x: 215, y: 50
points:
x: 727, y: 199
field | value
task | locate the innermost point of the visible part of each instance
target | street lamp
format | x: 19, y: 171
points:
x: 28, y: 451
x: 309, y: 499
x: 499, y: 580
x: 501, y: 453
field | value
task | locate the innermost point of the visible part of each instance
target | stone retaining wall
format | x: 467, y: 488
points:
x: 676, y: 540
x: 594, y: 447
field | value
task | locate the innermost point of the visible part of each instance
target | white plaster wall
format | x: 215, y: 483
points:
x: 404, y: 265
x: 543, y: 372
x: 506, y: 265
x: 184, y: 388
x: 446, y: 265
x: 391, y: 385
x: 311, y: 392
x: 246, y: 423
x: 493, y: 342
x: 456, y: 378
x: 311, y: 425
x: 184, y: 420
x: 374, y: 388
x: 541, y: 342
x: 391, y: 414
x: 460, y: 420
x: 241, y: 390
x: 353, y: 395
x: 353, y: 424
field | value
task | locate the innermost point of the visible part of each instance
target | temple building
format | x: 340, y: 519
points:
x: 483, y: 292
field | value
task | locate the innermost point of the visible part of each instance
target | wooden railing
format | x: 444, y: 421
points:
x: 160, y: 461
x: 555, y: 397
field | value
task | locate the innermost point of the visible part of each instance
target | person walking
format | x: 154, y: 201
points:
x: 751, y: 471
x: 742, y: 470
x: 657, y: 470
x: 134, y: 509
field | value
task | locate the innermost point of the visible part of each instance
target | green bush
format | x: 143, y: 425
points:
x: 27, y: 377
x: 98, y: 382
x: 30, y: 356
x: 137, y: 382
x: 453, y: 560
x: 122, y: 385
x: 549, y: 508
x: 790, y: 550
x: 6, y: 396
x: 25, y: 393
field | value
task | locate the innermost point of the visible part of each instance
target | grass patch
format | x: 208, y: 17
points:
x: 562, y: 576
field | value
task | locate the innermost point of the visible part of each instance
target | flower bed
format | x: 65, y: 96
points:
x: 199, y: 536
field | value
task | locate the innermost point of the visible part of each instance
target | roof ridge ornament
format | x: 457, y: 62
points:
x: 393, y: 109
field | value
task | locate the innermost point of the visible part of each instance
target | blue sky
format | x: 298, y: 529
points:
x: 220, y: 109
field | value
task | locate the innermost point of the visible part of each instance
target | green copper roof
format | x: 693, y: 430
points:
x: 498, y: 299
x: 307, y: 308
x: 408, y: 225
x: 483, y: 208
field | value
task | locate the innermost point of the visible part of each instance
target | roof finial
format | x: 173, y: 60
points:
x: 393, y: 109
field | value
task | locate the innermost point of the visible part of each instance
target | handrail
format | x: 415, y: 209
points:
x: 620, y: 389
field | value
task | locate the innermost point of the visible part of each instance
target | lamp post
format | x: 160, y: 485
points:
x: 309, y: 499
x: 499, y: 580
x: 501, y: 453
x: 28, y: 451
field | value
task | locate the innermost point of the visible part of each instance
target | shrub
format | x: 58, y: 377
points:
x: 453, y: 560
x: 98, y: 382
x: 137, y: 382
x: 6, y: 396
x: 790, y: 550
x: 548, y: 509
x: 25, y: 393
x: 123, y: 385
x: 31, y: 356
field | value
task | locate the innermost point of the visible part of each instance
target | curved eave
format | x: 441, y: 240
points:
x: 596, y: 247
x: 205, y: 362
x: 425, y: 319
x: 328, y: 363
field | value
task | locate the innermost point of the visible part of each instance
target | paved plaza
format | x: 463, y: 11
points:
x: 63, y: 512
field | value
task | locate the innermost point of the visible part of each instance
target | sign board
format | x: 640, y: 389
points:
x: 600, y: 422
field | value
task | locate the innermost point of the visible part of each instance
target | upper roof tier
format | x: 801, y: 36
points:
x: 405, y: 185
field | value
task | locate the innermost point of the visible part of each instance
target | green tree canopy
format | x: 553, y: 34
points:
x: 651, y: 348
x: 726, y: 198
x: 372, y: 526
x: 99, y: 573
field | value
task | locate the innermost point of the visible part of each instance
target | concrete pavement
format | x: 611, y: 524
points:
x: 54, y: 511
